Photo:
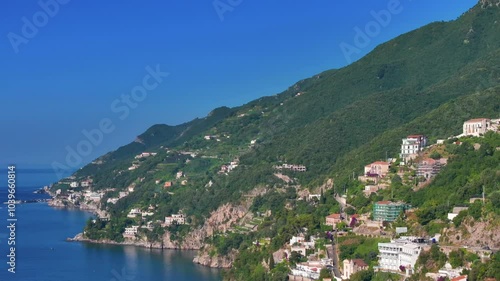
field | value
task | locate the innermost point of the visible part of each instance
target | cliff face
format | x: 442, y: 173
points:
x: 216, y: 261
x: 475, y: 233
x: 219, y: 221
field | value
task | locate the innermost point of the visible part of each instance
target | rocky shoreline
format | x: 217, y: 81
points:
x: 202, y: 257
x: 219, y: 221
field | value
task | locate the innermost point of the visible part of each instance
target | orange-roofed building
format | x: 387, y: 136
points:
x: 333, y: 219
x: 460, y: 278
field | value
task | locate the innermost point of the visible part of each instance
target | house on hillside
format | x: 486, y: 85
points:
x: 388, y: 211
x: 412, y: 145
x: 378, y: 168
x: 353, y: 266
x: 333, y: 219
x: 476, y: 127
x: 429, y: 168
x: 398, y: 256
x: 130, y: 232
x: 168, y: 184
x: 175, y: 218
x: 375, y: 171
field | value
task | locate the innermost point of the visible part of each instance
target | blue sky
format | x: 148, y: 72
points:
x: 63, y: 77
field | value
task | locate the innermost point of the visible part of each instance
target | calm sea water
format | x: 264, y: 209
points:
x: 42, y: 254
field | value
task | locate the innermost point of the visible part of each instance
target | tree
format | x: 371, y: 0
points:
x: 324, y: 273
x: 475, y: 210
x: 350, y: 211
x: 457, y: 221
x: 295, y: 257
x: 495, y: 200
x: 435, y: 155
x: 271, y: 262
x: 363, y: 275
x: 456, y: 258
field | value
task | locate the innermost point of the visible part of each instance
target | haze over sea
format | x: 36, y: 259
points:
x: 42, y: 254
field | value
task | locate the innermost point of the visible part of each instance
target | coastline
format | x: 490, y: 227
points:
x: 193, y: 242
x: 202, y: 256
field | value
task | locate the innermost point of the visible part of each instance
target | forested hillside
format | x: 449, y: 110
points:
x: 428, y: 81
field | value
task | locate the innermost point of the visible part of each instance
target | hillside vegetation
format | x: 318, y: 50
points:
x: 428, y: 81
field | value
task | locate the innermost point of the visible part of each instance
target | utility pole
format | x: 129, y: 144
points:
x: 483, y: 196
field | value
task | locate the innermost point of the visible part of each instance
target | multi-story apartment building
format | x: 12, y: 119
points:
x: 398, y: 256
x: 412, y: 145
x: 388, y: 211
x: 429, y: 167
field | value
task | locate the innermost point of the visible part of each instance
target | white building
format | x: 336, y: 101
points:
x: 297, y: 239
x: 145, y: 155
x: 134, y: 213
x: 308, y: 270
x: 396, y: 254
x: 147, y: 214
x: 96, y: 197
x: 476, y: 127
x: 131, y: 231
x: 178, y: 218
x: 412, y: 145
x: 74, y: 184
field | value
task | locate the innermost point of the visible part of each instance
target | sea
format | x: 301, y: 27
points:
x: 43, y: 254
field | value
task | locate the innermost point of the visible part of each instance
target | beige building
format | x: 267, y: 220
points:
x: 353, y: 266
x: 379, y: 168
x: 333, y: 219
x: 476, y: 127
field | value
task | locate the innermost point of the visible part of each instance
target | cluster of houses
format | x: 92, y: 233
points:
x: 131, y: 232
x: 400, y: 255
x: 136, y: 212
x: 210, y: 137
x: 312, y: 268
x: 121, y: 194
x: 145, y: 155
x: 227, y: 168
x: 85, y: 184
x: 292, y: 167
x: 84, y: 196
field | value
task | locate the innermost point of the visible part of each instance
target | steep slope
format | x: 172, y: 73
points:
x: 426, y: 81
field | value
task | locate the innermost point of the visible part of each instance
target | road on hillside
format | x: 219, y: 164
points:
x: 331, y: 251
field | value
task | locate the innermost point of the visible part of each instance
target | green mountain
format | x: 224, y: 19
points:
x: 427, y: 81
